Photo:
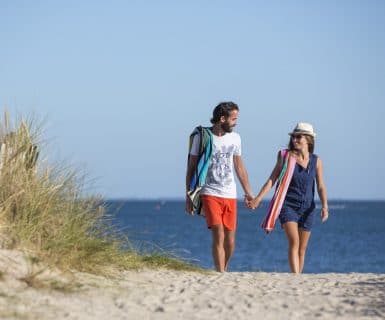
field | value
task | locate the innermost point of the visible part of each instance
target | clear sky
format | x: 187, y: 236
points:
x: 123, y: 83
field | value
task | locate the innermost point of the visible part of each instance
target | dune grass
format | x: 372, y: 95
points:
x: 44, y: 209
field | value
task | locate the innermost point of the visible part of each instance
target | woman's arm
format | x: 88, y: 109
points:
x: 268, y: 184
x: 321, y: 188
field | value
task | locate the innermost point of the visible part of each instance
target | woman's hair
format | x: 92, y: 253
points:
x: 310, y: 142
x: 223, y: 109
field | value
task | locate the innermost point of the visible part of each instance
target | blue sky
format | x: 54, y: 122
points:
x: 123, y: 83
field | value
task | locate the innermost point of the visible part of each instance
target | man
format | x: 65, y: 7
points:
x: 218, y: 195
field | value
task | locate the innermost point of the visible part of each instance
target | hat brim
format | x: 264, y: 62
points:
x: 312, y: 134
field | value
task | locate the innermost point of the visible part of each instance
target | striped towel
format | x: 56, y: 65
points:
x: 280, y: 191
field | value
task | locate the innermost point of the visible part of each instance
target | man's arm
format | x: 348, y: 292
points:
x: 192, y: 163
x: 243, y: 177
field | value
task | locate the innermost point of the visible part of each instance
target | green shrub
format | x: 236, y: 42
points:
x: 44, y: 209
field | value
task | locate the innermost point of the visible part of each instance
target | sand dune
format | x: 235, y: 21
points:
x: 164, y: 294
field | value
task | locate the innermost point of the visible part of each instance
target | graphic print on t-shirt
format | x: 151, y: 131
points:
x: 221, y: 165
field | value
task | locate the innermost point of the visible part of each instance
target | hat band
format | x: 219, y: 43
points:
x: 302, y: 131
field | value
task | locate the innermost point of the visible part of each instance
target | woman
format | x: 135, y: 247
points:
x: 297, y: 213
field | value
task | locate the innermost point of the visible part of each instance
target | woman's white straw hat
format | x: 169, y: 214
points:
x: 303, y: 128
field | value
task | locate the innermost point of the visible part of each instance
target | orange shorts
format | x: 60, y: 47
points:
x: 219, y: 210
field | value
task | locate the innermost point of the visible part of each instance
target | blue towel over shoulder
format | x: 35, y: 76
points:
x: 200, y: 172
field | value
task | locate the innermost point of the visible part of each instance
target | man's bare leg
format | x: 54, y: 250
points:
x: 218, y: 249
x: 229, y: 245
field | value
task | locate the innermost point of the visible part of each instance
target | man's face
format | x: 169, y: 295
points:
x: 229, y: 123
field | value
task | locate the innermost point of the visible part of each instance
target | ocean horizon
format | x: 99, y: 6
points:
x: 350, y: 241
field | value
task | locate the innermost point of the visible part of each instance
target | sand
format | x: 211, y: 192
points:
x: 165, y: 294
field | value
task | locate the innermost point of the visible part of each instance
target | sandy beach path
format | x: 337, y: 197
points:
x: 176, y: 295
x: 164, y: 294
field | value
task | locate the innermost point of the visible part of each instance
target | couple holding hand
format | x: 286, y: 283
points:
x: 214, y: 155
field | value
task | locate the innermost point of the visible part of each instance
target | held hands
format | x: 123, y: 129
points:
x: 324, y: 214
x: 251, y: 202
x: 247, y: 199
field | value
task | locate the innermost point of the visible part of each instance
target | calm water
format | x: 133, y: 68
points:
x: 352, y: 240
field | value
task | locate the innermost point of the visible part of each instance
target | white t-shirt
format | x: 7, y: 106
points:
x: 220, y: 179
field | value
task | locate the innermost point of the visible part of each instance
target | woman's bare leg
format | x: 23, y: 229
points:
x: 304, y: 237
x: 292, y: 234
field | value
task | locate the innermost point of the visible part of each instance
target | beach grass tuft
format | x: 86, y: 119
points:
x: 45, y: 209
x: 161, y: 260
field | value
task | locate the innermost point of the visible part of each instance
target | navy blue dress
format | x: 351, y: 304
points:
x: 299, y: 205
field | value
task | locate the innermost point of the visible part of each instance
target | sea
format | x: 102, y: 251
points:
x: 351, y: 240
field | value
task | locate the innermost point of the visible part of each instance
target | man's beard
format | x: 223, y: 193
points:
x: 226, y: 127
